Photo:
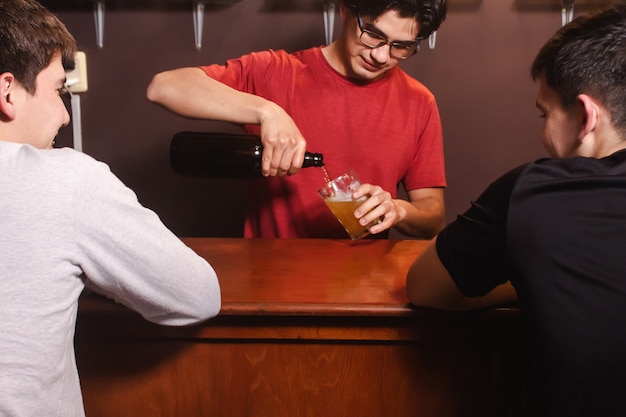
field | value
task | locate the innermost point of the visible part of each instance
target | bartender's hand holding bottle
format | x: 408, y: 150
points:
x: 378, y: 205
x: 283, y: 144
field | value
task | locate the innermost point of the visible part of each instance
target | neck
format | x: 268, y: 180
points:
x: 601, y: 143
x: 333, y: 55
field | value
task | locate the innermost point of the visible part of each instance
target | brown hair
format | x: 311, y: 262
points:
x: 588, y: 56
x: 428, y: 13
x: 30, y: 36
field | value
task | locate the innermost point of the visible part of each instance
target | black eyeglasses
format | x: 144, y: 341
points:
x: 397, y: 49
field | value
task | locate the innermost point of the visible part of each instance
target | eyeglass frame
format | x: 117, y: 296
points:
x: 384, y: 40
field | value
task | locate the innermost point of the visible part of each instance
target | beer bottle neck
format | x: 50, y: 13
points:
x: 313, y: 160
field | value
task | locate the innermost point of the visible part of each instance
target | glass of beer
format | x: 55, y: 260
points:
x: 337, y: 195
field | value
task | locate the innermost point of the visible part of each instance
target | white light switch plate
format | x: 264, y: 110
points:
x: 76, y: 79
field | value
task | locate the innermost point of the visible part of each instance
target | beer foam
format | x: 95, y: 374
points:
x: 341, y: 196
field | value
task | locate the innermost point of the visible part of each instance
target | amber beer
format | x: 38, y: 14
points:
x: 337, y: 195
x: 344, y: 212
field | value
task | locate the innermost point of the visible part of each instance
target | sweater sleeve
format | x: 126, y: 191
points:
x: 129, y: 255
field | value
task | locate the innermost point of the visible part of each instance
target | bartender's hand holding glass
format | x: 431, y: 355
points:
x: 283, y: 144
x: 379, y: 205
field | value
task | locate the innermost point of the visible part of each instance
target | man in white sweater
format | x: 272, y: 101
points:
x: 67, y: 222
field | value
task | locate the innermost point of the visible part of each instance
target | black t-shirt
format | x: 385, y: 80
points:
x: 556, y: 228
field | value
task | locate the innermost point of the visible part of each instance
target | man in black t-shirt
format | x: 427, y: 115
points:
x: 553, y: 232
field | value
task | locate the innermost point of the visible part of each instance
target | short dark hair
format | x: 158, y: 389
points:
x: 588, y: 56
x: 428, y: 13
x: 30, y: 36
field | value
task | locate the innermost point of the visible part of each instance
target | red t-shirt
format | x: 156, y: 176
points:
x: 388, y: 131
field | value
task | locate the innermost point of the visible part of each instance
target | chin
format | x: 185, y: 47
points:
x: 365, y: 76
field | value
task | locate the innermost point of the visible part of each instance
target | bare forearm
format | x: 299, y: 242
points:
x: 421, y: 219
x: 189, y: 92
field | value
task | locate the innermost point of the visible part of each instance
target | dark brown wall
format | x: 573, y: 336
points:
x: 478, y: 71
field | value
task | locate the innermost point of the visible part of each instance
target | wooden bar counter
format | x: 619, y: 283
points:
x: 308, y: 327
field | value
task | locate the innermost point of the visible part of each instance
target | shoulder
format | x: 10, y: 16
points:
x: 400, y: 77
x: 579, y: 166
x: 492, y: 205
x: 401, y: 84
x: 62, y: 161
x: 573, y: 175
x: 507, y: 181
x: 278, y: 56
x: 260, y: 64
x: 75, y: 162
x: 62, y: 177
x: 72, y: 171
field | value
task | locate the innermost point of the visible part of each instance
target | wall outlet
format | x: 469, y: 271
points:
x: 76, y: 80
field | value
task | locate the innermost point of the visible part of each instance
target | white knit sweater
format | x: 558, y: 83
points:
x: 65, y: 222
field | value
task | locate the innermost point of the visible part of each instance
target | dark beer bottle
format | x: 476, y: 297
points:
x: 223, y: 155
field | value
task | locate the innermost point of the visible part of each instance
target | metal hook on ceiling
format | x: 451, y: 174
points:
x: 98, y: 14
x: 567, y: 11
x: 198, y: 22
x: 329, y: 20
x: 432, y: 39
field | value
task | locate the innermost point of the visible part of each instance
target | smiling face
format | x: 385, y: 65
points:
x: 39, y: 116
x: 367, y: 64
x: 561, y: 127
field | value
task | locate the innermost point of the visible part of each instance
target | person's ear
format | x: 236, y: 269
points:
x: 590, y: 114
x: 7, y: 91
